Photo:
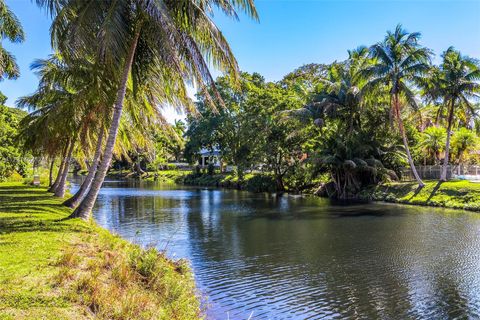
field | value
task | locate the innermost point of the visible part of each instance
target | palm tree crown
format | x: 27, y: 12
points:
x: 11, y: 29
x: 399, y: 62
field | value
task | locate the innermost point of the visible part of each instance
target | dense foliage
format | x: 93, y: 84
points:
x: 354, y: 123
x: 12, y: 158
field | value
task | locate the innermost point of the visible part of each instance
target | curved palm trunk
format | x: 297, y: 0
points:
x: 443, y: 176
x: 50, y: 173
x: 85, y: 207
x: 75, y: 200
x: 405, y: 141
x: 62, y: 185
x: 54, y: 186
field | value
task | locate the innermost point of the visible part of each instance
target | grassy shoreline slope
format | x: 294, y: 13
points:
x: 463, y: 195
x: 68, y: 269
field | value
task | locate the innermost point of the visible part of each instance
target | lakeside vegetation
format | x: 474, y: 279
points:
x: 463, y: 195
x: 74, y: 269
x: 344, y: 129
x: 344, y: 126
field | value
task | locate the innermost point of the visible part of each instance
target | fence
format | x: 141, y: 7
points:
x: 434, y: 172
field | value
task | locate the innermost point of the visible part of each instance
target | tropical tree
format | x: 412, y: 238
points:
x: 11, y: 29
x: 161, y: 42
x: 353, y: 162
x: 456, y: 84
x: 399, y: 62
x: 463, y: 141
x: 12, y: 159
x: 432, y: 142
x: 66, y: 110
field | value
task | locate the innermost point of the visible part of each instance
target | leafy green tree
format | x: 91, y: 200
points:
x: 11, y: 156
x: 399, y: 61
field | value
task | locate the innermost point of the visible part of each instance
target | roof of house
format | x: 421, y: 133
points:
x: 204, y: 152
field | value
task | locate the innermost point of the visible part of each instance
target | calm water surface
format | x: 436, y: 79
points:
x: 302, y: 258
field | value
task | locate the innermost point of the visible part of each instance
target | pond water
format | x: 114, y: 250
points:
x: 259, y: 256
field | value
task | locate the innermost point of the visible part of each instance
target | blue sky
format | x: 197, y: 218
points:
x: 291, y: 33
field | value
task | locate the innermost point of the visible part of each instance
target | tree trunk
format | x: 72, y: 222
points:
x: 405, y: 141
x: 60, y: 168
x: 85, y: 207
x: 50, y: 173
x: 443, y: 176
x: 75, y: 200
x: 60, y: 190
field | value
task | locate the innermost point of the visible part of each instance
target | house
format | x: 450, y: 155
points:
x: 209, y: 156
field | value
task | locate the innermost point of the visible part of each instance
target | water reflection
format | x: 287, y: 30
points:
x: 302, y: 258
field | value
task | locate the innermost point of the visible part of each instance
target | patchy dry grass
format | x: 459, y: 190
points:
x: 51, y: 268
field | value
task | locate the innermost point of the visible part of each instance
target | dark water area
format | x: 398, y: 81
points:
x: 292, y: 257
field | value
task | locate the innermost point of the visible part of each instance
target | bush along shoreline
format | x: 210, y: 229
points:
x: 50, y: 265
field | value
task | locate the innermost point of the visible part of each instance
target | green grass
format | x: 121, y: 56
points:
x: 53, y: 268
x: 167, y: 176
x: 452, y: 194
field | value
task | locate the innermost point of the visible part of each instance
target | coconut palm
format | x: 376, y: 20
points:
x: 64, y: 103
x: 400, y: 61
x: 456, y: 84
x: 159, y: 42
x: 11, y: 29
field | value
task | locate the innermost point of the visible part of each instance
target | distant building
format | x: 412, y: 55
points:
x: 209, y: 156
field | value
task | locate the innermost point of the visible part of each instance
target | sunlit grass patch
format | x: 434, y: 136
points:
x: 457, y: 194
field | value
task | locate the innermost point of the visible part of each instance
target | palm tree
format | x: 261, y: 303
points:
x: 456, y: 84
x: 11, y: 29
x: 400, y: 61
x: 337, y: 94
x: 163, y: 43
x: 463, y: 140
x: 62, y: 104
x: 432, y: 142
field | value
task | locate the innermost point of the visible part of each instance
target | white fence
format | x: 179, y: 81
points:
x: 434, y: 172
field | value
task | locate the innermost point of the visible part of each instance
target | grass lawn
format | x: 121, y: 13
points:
x: 459, y: 194
x: 53, y: 268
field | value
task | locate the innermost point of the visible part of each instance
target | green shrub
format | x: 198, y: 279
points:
x: 211, y: 169
x: 261, y: 183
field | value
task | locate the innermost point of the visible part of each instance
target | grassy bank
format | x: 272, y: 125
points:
x: 70, y: 269
x: 164, y: 176
x: 250, y: 182
x: 452, y: 194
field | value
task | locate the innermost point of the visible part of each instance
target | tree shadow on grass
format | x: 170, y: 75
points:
x: 13, y: 225
x: 434, y: 191
x: 416, y: 192
x: 10, y: 190
x: 26, y: 210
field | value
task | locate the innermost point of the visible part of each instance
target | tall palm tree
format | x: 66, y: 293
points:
x: 457, y: 84
x: 155, y: 41
x: 400, y: 61
x: 11, y: 29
